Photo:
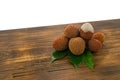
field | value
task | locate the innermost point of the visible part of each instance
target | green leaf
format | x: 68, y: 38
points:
x: 75, y: 60
x: 58, y: 55
x: 88, y: 59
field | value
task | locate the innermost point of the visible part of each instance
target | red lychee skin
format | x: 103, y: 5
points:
x: 94, y: 45
x: 77, y: 45
x: 60, y: 43
x: 86, y: 35
x: 71, y: 31
x: 99, y: 36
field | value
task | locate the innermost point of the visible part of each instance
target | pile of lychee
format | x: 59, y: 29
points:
x: 78, y: 38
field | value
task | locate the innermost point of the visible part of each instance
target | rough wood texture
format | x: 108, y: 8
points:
x: 25, y: 55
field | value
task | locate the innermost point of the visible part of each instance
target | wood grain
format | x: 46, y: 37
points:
x: 25, y: 55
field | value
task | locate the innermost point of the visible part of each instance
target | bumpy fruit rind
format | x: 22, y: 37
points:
x: 94, y: 45
x: 77, y: 45
x: 99, y: 36
x: 71, y: 31
x: 86, y: 31
x: 60, y: 43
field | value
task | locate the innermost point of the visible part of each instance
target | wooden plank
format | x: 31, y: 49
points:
x: 25, y: 55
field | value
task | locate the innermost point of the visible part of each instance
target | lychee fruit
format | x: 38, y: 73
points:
x: 86, y: 31
x: 99, y: 36
x: 60, y: 43
x: 77, y: 45
x: 94, y: 45
x: 71, y: 31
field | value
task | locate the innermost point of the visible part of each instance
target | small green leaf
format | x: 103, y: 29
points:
x: 58, y: 55
x: 75, y: 60
x: 88, y: 59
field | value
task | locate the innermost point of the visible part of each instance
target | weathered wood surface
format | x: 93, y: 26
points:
x: 25, y: 55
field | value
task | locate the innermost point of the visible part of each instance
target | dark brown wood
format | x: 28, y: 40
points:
x: 25, y: 55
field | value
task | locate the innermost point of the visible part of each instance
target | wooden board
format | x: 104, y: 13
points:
x: 25, y: 55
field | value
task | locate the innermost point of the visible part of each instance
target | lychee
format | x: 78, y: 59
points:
x: 77, y: 45
x: 60, y: 43
x: 86, y: 31
x: 94, y: 45
x: 71, y: 31
x: 99, y: 36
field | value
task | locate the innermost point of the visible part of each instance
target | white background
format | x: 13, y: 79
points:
x: 15, y: 14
